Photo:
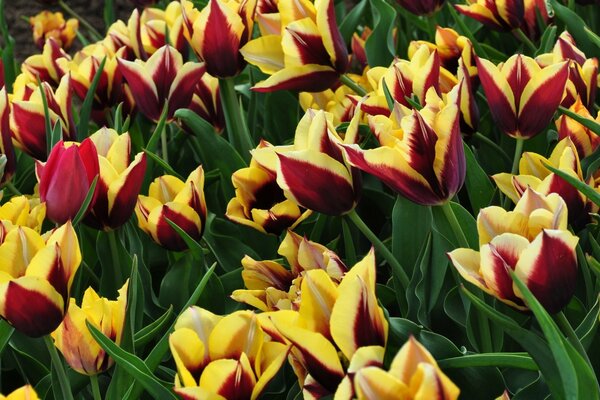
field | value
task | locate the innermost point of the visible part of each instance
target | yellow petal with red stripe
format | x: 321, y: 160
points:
x: 235, y: 334
x: 189, y: 354
x: 266, y: 53
x: 319, y: 295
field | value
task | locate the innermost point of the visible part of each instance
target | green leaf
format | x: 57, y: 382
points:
x: 150, y: 331
x: 588, y: 327
x: 86, y: 107
x: 228, y: 249
x: 160, y: 127
x: 547, y: 41
x: 351, y: 21
x: 575, y: 25
x: 194, y: 246
x: 47, y: 121
x: 134, y: 366
x: 349, y: 249
x: 6, y: 331
x: 478, y: 184
x: 466, y: 221
x: 510, y: 360
x: 163, y: 164
x: 388, y: 96
x: 86, y: 202
x: 380, y: 46
x: 411, y: 225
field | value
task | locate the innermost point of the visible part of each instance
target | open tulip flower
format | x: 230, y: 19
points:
x: 522, y: 95
x: 308, y: 54
x: 421, y: 154
x: 164, y: 78
x: 27, y: 117
x: 313, y: 171
x: 36, y: 277
x: 70, y: 165
x: 46, y: 65
x: 183, y: 203
x: 218, y: 32
x: 223, y: 357
x: 584, y: 140
x: 503, y: 15
x: 119, y: 182
x: 148, y: 31
x: 421, y: 7
x: 47, y: 24
x: 74, y: 339
x: 450, y: 47
x: 534, y: 174
x: 23, y: 393
x: 534, y: 242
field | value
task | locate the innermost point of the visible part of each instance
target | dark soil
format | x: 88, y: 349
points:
x: 91, y: 10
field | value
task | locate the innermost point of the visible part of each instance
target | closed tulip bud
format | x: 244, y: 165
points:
x: 180, y: 202
x: 584, y: 140
x: 45, y: 65
x: 421, y: 7
x: 74, y: 340
x: 164, y: 78
x: 47, y: 24
x: 6, y: 145
x: 523, y: 97
x: 313, y: 171
x: 217, y: 33
x: 73, y: 166
x: 37, y: 278
x: 504, y: 15
x: 534, y: 242
x: 308, y: 54
x: 410, y: 141
x: 27, y: 117
x: 24, y: 393
x: 119, y: 182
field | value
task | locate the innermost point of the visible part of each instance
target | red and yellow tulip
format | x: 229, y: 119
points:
x: 163, y: 79
x: 72, y: 166
x: 47, y: 24
x: 534, y: 242
x: 180, y: 202
x: 74, y: 340
x: 206, y: 102
x: 450, y: 47
x: 503, y: 15
x: 313, y: 172
x: 308, y: 54
x: 46, y: 65
x: 421, y: 154
x: 584, y: 140
x: 36, y: 277
x: 218, y: 32
x: 119, y: 182
x: 522, y: 95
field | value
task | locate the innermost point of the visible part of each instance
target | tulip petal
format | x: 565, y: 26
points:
x: 232, y: 379
x: 319, y: 295
x: 266, y: 53
x: 189, y: 354
x: 308, y: 78
x: 374, y: 383
x: 330, y: 34
x: 236, y: 334
x: 142, y: 87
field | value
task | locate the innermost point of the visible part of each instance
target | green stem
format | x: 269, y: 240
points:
x: 510, y: 360
x: 380, y: 247
x: 347, y: 81
x: 13, y: 188
x: 114, y: 253
x: 514, y: 170
x: 95, y: 387
x: 82, y: 21
x: 239, y: 135
x: 455, y: 225
x: 486, y: 140
x: 57, y: 364
x: 164, y: 149
x: 567, y: 329
x: 526, y: 41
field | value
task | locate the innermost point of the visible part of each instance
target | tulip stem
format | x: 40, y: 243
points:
x: 57, y: 364
x: 95, y: 387
x: 347, y: 81
x: 83, y: 21
x: 380, y: 247
x: 237, y: 129
x: 455, y: 225
x: 163, y: 143
x: 515, y: 165
x: 567, y: 329
x: 13, y: 188
x: 114, y: 253
x: 484, y: 139
x: 523, y: 38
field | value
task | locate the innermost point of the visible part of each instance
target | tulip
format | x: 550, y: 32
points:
x: 119, y: 182
x: 260, y: 204
x: 534, y: 174
x: 27, y: 117
x: 218, y: 32
x: 584, y: 140
x: 496, y: 14
x: 357, y: 45
x: 421, y: 7
x: 23, y: 393
x: 37, y: 277
x: 413, y: 374
x: 450, y: 47
x: 163, y: 79
x: 533, y: 8
x: 534, y: 242
x: 522, y: 96
x: 206, y: 102
x: 171, y: 199
x: 45, y: 65
x: 583, y: 71
x: 308, y: 53
x: 6, y: 145
x: 223, y: 357
x: 24, y: 211
x: 74, y: 340
x: 313, y: 171
x: 70, y: 166
x: 53, y: 25
x: 410, y: 143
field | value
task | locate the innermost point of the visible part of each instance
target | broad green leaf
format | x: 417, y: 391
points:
x: 465, y: 220
x: 547, y: 41
x: 380, y: 46
x: 589, y: 326
x: 6, y: 332
x: 351, y: 21
x: 478, y: 184
x: 576, y: 27
x: 411, y: 225
x: 512, y: 360
x: 150, y: 331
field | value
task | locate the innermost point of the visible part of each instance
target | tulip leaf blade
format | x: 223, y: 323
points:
x: 163, y: 164
x: 588, y: 191
x: 86, y: 202
x: 158, y: 131
x: 379, y: 47
x: 389, y: 99
x: 512, y: 360
x: 86, y: 106
x: 150, y: 331
x: 575, y: 25
x: 478, y: 184
x: 133, y: 365
x: 351, y: 20
x: 6, y: 331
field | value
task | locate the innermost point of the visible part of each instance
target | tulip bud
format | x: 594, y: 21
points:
x: 74, y: 339
x: 182, y: 203
x: 53, y: 25
x: 73, y: 166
